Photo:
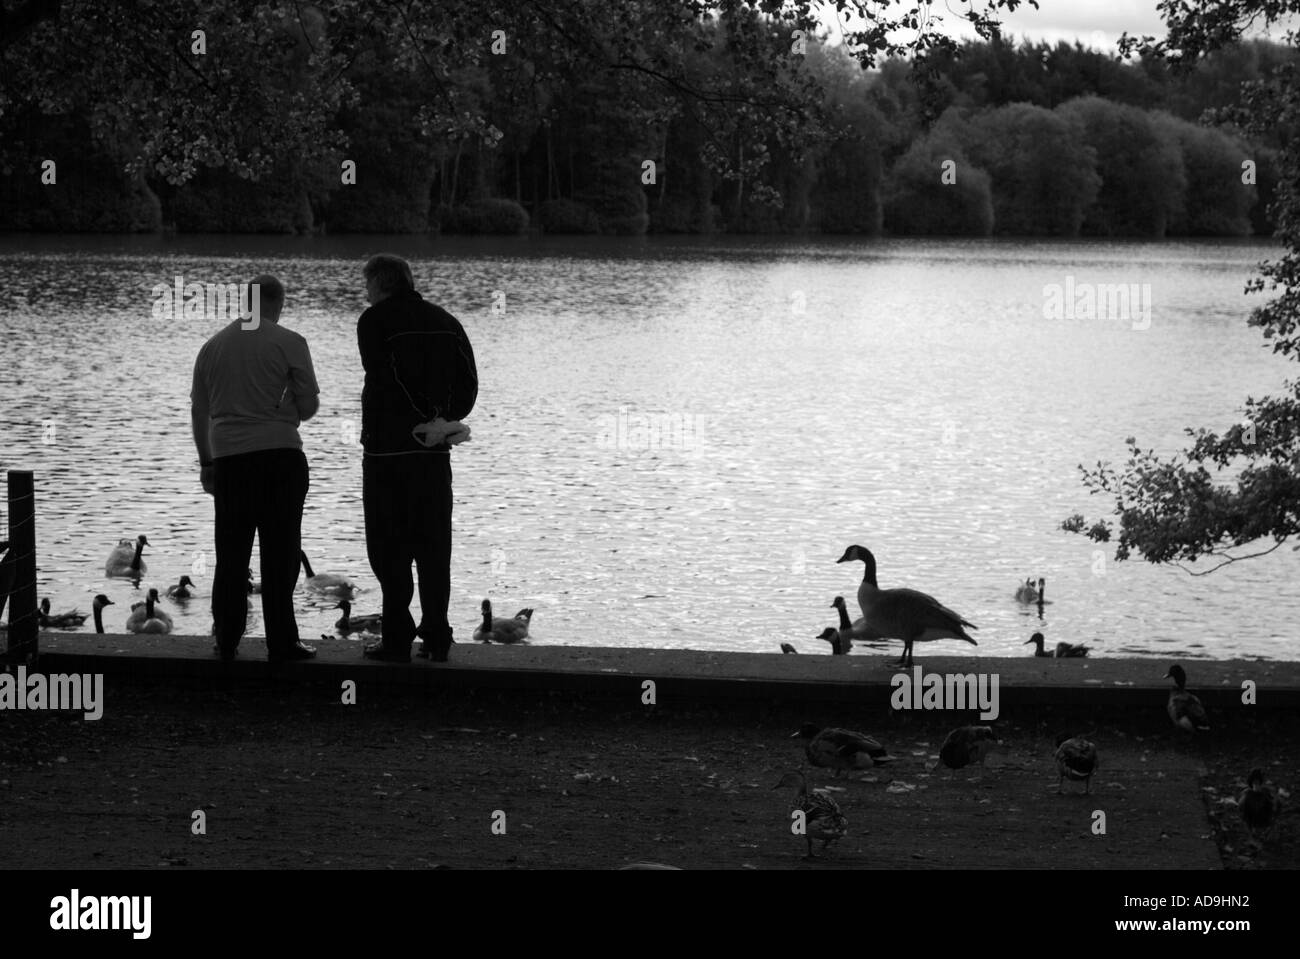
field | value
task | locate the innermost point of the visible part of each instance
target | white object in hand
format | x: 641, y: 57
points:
x: 438, y: 430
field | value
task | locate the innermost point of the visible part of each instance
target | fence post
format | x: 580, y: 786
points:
x: 23, y: 624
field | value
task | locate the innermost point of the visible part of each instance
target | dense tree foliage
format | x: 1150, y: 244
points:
x: 582, y: 116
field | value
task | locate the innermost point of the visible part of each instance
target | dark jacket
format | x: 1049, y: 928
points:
x: 419, y: 364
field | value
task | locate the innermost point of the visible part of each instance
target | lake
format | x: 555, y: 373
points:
x: 675, y: 439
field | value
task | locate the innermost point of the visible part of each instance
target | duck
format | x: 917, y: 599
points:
x: 787, y: 648
x: 905, y: 614
x: 125, y: 562
x: 97, y: 607
x: 59, y: 620
x: 1026, y: 593
x: 966, y: 745
x: 840, y: 643
x: 356, y: 624
x: 1062, y: 651
x: 147, y: 618
x: 1184, y: 709
x: 328, y: 584
x: 1258, y: 804
x: 502, y: 630
x: 822, y: 816
x: 1076, y: 759
x: 182, y: 589
x: 841, y: 749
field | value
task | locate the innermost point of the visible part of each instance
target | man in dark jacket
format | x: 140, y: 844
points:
x: 421, y: 380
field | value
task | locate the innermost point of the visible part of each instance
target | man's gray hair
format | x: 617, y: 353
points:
x: 391, y: 273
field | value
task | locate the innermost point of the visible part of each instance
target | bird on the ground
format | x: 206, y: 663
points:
x: 1062, y: 650
x: 822, y: 818
x: 1258, y: 804
x: 356, y: 624
x: 906, y: 614
x: 146, y: 617
x: 1076, y: 759
x: 124, y: 561
x: 50, y: 620
x: 501, y: 630
x: 1184, y: 709
x: 327, y: 584
x: 966, y: 745
x: 182, y: 589
x: 838, y: 749
x: 97, y: 607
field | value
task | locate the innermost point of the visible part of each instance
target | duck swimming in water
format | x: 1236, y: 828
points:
x: 1062, y: 650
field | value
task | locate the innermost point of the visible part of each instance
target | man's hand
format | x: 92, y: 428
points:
x: 208, y: 477
x: 438, y: 430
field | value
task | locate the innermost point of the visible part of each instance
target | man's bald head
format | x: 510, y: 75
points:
x: 270, y: 296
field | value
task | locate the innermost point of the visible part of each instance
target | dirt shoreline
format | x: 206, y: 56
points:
x: 289, y: 777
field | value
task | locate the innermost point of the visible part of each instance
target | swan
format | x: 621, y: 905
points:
x: 147, y: 618
x: 502, y: 630
x: 905, y: 614
x: 328, y: 584
x: 125, y: 562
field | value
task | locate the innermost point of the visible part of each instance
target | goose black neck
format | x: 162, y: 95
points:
x: 869, y: 572
x: 135, y: 560
x: 844, y: 616
x: 99, y: 620
x: 487, y: 617
x: 148, y: 607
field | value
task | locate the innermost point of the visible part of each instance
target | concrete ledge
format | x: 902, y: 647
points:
x: 678, y: 674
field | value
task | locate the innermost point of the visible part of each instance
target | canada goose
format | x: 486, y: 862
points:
x: 182, y: 589
x: 1184, y: 709
x: 147, y: 618
x: 502, y: 630
x: 356, y: 624
x: 98, y: 608
x: 1042, y: 586
x: 840, y: 643
x: 328, y: 584
x: 822, y: 818
x: 1026, y: 593
x: 1062, y: 651
x: 966, y: 745
x: 787, y: 648
x: 904, y: 614
x: 1076, y: 759
x: 1258, y: 804
x: 125, y: 562
x: 858, y: 629
x: 59, y: 620
x: 841, y: 748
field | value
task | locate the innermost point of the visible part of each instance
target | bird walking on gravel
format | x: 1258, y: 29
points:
x: 967, y: 745
x: 821, y: 815
x: 839, y: 749
x: 1184, y: 709
x: 1258, y: 805
x: 1076, y: 760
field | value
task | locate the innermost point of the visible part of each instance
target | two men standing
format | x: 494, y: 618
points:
x: 254, y: 385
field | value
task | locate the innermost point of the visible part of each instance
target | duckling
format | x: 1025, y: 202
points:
x: 328, y: 584
x: 1025, y: 592
x: 147, y: 618
x: 182, y: 589
x: 787, y: 648
x: 1184, y: 709
x: 1258, y: 804
x: 840, y: 643
x: 97, y: 607
x: 822, y: 817
x: 905, y: 614
x: 356, y: 624
x: 966, y: 745
x: 841, y: 748
x: 59, y: 620
x: 1062, y: 651
x: 125, y: 562
x: 1076, y: 758
x: 501, y: 630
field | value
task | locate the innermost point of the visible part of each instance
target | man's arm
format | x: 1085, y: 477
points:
x: 307, y: 405
x: 200, y: 421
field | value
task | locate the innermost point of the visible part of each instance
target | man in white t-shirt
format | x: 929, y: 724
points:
x: 253, y: 384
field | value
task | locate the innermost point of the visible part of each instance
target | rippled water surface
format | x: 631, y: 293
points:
x: 907, y: 395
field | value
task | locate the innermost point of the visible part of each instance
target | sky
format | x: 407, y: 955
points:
x: 1093, y: 23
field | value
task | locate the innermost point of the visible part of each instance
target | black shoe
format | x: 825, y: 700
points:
x: 386, y: 654
x: 291, y: 653
x: 435, y: 654
x: 227, y: 653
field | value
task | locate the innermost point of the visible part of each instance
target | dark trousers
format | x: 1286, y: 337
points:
x: 407, y: 503
x: 260, y: 492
